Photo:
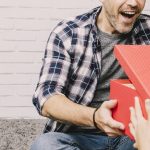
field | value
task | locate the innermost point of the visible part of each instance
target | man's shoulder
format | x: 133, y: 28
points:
x: 81, y: 21
x: 143, y: 23
x: 145, y: 17
x: 141, y: 30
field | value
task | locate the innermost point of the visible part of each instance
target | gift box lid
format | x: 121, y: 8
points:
x: 135, y: 60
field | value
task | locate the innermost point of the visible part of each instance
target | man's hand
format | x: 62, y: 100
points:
x: 104, y: 120
x: 139, y: 126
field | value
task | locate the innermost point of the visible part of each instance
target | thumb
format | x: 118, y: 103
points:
x: 147, y: 105
x: 111, y: 104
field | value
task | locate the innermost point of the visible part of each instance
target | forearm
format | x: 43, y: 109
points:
x: 62, y: 109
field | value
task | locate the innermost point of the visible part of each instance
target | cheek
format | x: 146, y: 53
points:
x: 141, y: 4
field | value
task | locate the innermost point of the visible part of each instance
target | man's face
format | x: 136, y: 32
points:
x: 120, y: 15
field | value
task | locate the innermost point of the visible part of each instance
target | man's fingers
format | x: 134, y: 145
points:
x: 112, y: 132
x: 138, y: 108
x: 111, y: 104
x: 115, y: 124
x: 147, y: 106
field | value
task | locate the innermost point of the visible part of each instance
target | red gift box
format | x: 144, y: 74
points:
x: 124, y: 92
x: 135, y: 60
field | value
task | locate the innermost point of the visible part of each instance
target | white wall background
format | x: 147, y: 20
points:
x: 24, y: 29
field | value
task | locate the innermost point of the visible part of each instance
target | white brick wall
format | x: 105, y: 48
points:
x: 24, y: 29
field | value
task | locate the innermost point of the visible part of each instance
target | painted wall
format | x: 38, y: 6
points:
x: 24, y: 29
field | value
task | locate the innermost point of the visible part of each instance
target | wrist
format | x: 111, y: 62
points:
x: 94, y: 118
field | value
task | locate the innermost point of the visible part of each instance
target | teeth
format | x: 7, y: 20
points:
x: 129, y: 13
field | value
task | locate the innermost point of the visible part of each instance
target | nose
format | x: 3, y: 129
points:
x: 132, y: 3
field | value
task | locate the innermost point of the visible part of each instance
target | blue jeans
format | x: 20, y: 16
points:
x: 81, y: 141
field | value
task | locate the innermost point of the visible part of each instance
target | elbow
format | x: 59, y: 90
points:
x: 47, y: 108
x: 44, y: 112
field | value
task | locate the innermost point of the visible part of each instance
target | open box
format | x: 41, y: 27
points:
x: 124, y: 92
x: 135, y: 60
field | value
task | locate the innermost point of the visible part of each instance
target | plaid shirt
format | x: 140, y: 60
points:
x: 72, y: 62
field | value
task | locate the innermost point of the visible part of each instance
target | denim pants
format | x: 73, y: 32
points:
x: 81, y: 141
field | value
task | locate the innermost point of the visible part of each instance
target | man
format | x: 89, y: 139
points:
x: 73, y: 90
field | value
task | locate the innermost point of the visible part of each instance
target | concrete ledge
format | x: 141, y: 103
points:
x: 18, y: 134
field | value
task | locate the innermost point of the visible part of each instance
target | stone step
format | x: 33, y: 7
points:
x: 18, y: 134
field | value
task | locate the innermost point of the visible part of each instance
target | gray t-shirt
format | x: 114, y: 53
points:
x: 110, y: 69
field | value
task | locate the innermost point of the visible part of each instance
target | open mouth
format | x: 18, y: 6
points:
x: 128, y: 14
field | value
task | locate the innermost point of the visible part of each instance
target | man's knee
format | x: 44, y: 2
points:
x: 53, y: 141
x: 43, y: 142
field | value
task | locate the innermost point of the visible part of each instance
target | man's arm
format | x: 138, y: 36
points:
x: 62, y: 109
x: 52, y: 83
